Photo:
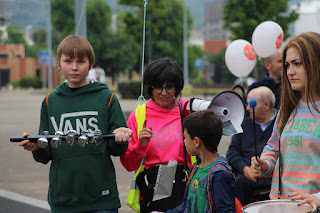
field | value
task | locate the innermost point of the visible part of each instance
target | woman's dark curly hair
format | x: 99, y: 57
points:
x: 160, y: 71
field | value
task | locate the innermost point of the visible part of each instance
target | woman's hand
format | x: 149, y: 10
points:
x: 122, y: 135
x: 306, y: 198
x: 27, y: 145
x: 258, y: 166
x: 145, y: 134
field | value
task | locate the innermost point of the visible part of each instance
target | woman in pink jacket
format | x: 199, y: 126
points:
x: 160, y: 138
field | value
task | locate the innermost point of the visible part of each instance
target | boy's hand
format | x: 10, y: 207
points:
x: 122, y: 135
x: 27, y: 145
x: 145, y: 134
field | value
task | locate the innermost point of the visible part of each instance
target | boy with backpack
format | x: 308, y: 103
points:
x: 210, y: 186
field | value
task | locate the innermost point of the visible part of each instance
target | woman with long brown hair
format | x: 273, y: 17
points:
x: 294, y: 145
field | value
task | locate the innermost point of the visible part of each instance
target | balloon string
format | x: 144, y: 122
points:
x: 81, y: 16
x: 141, y: 97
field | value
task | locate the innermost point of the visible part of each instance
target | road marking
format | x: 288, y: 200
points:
x: 24, y: 199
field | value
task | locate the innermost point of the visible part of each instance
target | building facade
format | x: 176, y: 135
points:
x: 14, y: 66
x: 213, y: 20
x: 214, y: 34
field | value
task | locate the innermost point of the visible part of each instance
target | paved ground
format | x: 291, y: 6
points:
x: 20, y: 175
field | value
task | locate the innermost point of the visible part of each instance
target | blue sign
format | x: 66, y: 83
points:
x: 198, y: 63
x: 44, y: 57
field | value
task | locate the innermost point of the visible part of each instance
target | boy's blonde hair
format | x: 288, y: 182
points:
x: 75, y: 46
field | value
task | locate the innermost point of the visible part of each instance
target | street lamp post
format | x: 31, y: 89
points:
x: 185, y: 45
x: 49, y: 43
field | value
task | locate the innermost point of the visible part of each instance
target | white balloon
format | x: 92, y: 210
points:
x: 267, y: 38
x: 240, y: 58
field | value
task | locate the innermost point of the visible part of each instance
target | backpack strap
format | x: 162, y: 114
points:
x: 208, y: 184
x: 110, y: 100
x: 194, y: 169
x: 238, y: 205
x: 47, y: 100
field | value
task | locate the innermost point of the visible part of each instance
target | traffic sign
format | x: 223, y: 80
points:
x: 198, y: 63
x: 44, y: 57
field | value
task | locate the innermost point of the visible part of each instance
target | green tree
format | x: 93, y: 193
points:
x: 15, y: 36
x: 241, y: 17
x: 194, y: 52
x: 40, y: 39
x: 112, y: 49
x: 222, y: 74
x: 98, y: 17
x: 40, y: 36
x: 164, y: 27
x: 1, y: 40
x: 120, y: 53
x: 98, y: 28
x: 62, y: 18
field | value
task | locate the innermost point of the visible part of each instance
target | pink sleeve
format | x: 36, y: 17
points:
x: 132, y: 158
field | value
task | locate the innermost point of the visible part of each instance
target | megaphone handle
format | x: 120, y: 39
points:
x: 190, y: 103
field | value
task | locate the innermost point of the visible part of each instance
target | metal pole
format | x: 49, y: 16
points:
x: 150, y: 39
x: 49, y: 43
x: 185, y: 45
x: 82, y: 31
x: 44, y: 77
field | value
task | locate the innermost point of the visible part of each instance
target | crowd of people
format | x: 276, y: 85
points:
x: 277, y: 151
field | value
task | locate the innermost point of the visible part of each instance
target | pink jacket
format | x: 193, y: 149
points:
x: 166, y: 143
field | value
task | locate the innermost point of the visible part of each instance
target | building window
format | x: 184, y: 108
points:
x: 38, y: 72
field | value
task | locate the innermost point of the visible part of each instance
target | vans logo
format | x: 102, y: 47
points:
x: 82, y: 124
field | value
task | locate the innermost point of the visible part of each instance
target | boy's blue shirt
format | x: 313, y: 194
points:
x: 221, y: 189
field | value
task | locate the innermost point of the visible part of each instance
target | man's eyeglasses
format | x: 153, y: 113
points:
x: 169, y: 89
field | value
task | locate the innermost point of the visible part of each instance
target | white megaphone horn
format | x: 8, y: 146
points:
x: 228, y: 105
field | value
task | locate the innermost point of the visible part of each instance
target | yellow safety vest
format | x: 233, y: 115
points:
x: 133, y: 200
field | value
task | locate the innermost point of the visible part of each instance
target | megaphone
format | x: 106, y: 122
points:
x: 228, y: 105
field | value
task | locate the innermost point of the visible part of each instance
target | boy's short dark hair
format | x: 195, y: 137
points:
x: 207, y: 126
x: 160, y: 71
x: 75, y: 46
